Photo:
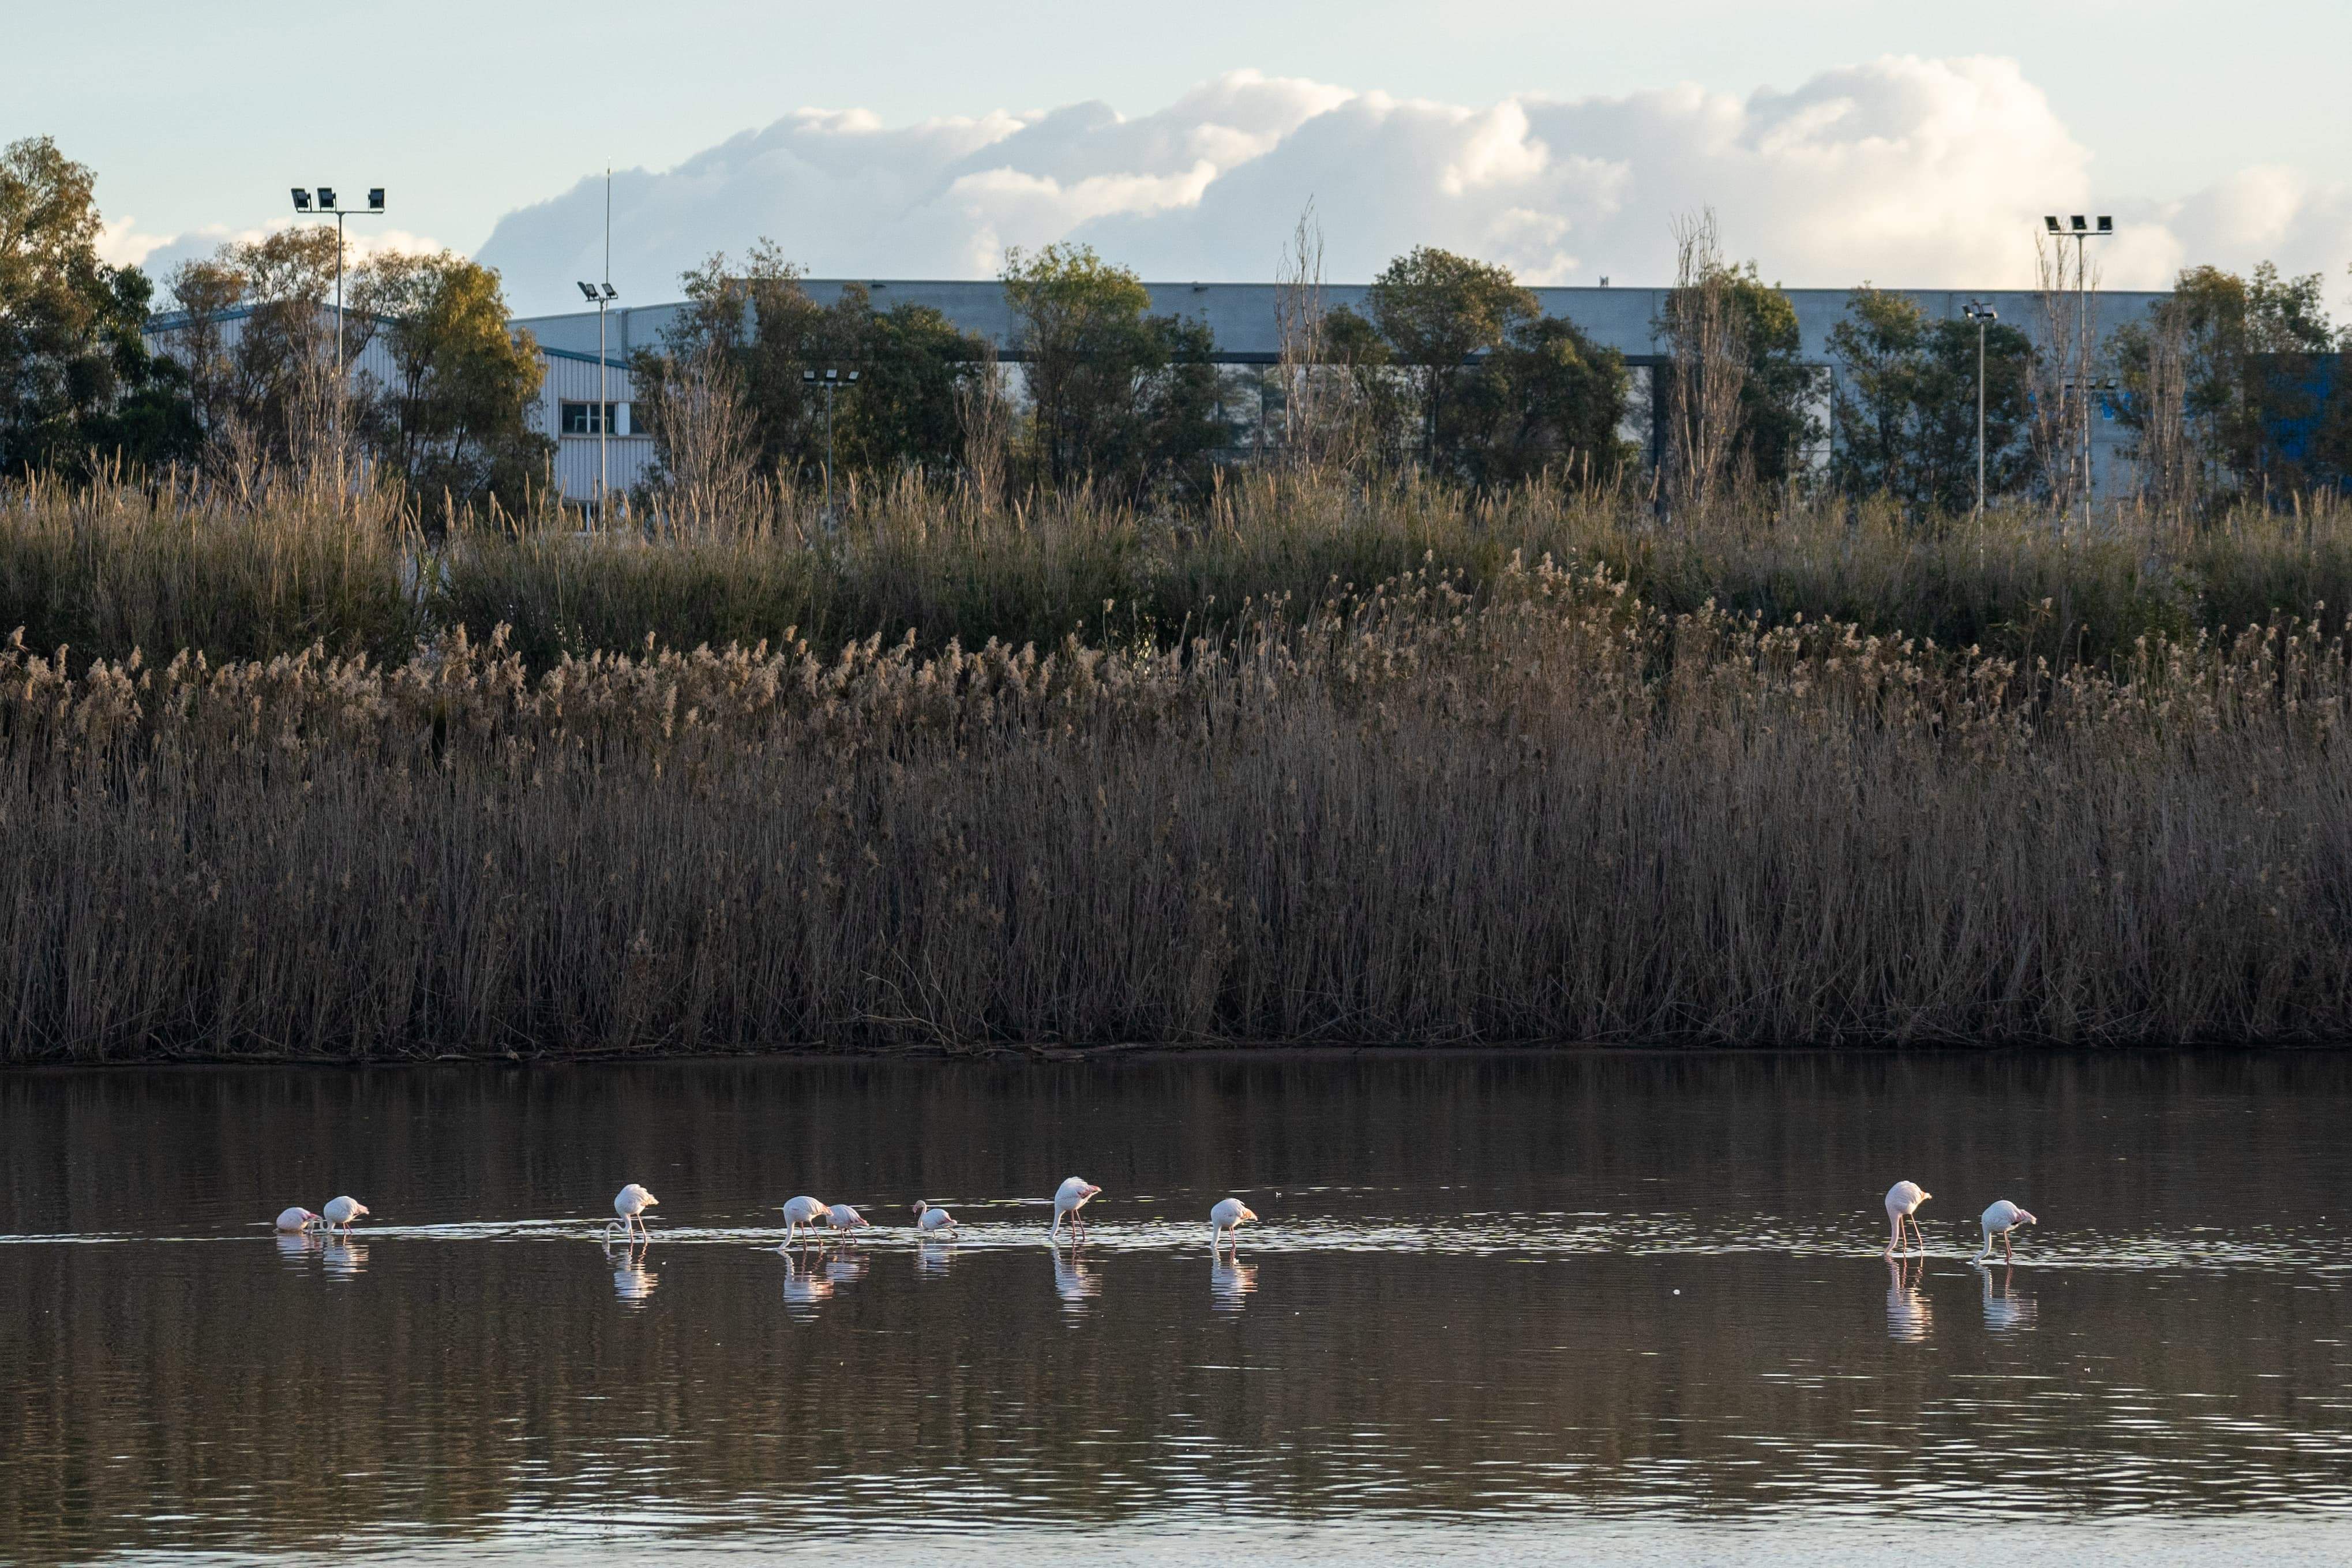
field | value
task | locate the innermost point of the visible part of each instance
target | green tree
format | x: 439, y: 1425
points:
x: 1370, y: 402
x: 1440, y: 312
x: 77, y: 382
x: 455, y: 417
x: 1906, y: 402
x: 1115, y: 395
x: 750, y: 322
x: 904, y: 411
x: 1547, y: 399
x: 256, y: 342
x: 1777, y: 423
x: 2247, y: 351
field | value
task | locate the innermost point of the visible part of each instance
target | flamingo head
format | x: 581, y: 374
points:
x: 1090, y: 1191
x: 1248, y: 1213
x: 921, y: 1210
x: 359, y: 1209
x: 2026, y: 1217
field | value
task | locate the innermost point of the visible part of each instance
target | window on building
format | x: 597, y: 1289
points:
x: 581, y: 418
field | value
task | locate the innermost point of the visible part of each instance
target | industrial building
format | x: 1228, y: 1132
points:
x: 578, y: 398
x: 1243, y: 320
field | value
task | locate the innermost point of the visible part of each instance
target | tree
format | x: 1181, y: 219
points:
x: 1735, y: 398
x: 1115, y: 395
x: 1906, y: 402
x: 258, y: 346
x: 1778, y: 394
x: 1439, y: 313
x: 1369, y: 400
x: 1547, y: 400
x: 2237, y: 362
x: 904, y: 411
x: 455, y: 416
x: 77, y: 383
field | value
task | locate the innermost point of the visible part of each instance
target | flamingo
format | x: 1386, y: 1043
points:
x: 341, y: 1212
x: 1902, y: 1201
x: 800, y: 1212
x: 631, y: 1203
x: 1068, y: 1200
x: 841, y: 1216
x: 2000, y: 1220
x: 1226, y: 1220
x: 929, y: 1219
x: 296, y: 1219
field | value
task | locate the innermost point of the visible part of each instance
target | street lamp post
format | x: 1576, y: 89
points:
x: 1983, y: 315
x: 832, y: 381
x: 2079, y: 231
x: 327, y: 204
x: 602, y: 296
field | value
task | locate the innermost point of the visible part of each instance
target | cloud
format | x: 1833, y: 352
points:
x: 1900, y: 171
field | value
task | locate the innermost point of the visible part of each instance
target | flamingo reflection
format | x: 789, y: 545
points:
x: 2005, y: 1310
x: 631, y: 1281
x: 1231, y: 1280
x: 295, y: 1247
x: 933, y: 1258
x: 345, y: 1260
x: 1073, y: 1282
x: 1908, y: 1314
x: 807, y: 1287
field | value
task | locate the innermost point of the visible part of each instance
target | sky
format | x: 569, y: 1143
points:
x: 1838, y: 141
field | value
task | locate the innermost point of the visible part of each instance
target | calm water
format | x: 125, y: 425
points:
x: 1542, y: 1309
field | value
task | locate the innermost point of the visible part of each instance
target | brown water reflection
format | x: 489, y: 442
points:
x: 1483, y: 1288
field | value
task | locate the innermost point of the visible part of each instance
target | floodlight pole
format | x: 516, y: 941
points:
x: 831, y: 380
x: 1982, y: 314
x: 2081, y: 232
x: 327, y: 204
x: 603, y: 399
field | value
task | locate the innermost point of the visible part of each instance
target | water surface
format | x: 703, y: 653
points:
x: 1500, y: 1307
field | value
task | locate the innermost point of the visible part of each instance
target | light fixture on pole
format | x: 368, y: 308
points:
x: 327, y: 204
x: 1983, y: 315
x: 602, y: 296
x: 2079, y: 231
x: 832, y: 381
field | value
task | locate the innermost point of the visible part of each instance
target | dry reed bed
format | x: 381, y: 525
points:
x: 105, y: 569
x: 1545, y: 812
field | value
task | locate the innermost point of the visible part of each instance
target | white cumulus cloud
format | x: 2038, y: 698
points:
x: 1900, y: 171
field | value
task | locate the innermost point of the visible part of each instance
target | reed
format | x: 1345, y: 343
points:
x: 107, y: 569
x: 1534, y: 808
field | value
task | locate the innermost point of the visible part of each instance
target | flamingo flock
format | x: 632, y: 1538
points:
x: 814, y: 1216
x: 1902, y: 1201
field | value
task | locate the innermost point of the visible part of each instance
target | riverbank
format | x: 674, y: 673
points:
x: 1540, y: 810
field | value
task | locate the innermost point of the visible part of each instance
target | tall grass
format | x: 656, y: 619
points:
x: 1534, y: 808
x: 107, y: 569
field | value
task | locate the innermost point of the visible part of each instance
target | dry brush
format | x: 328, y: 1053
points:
x: 1545, y: 811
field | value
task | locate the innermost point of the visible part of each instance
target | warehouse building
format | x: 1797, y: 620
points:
x: 582, y: 398
x: 1241, y: 318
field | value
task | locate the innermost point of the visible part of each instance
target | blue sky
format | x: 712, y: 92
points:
x: 198, y: 118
